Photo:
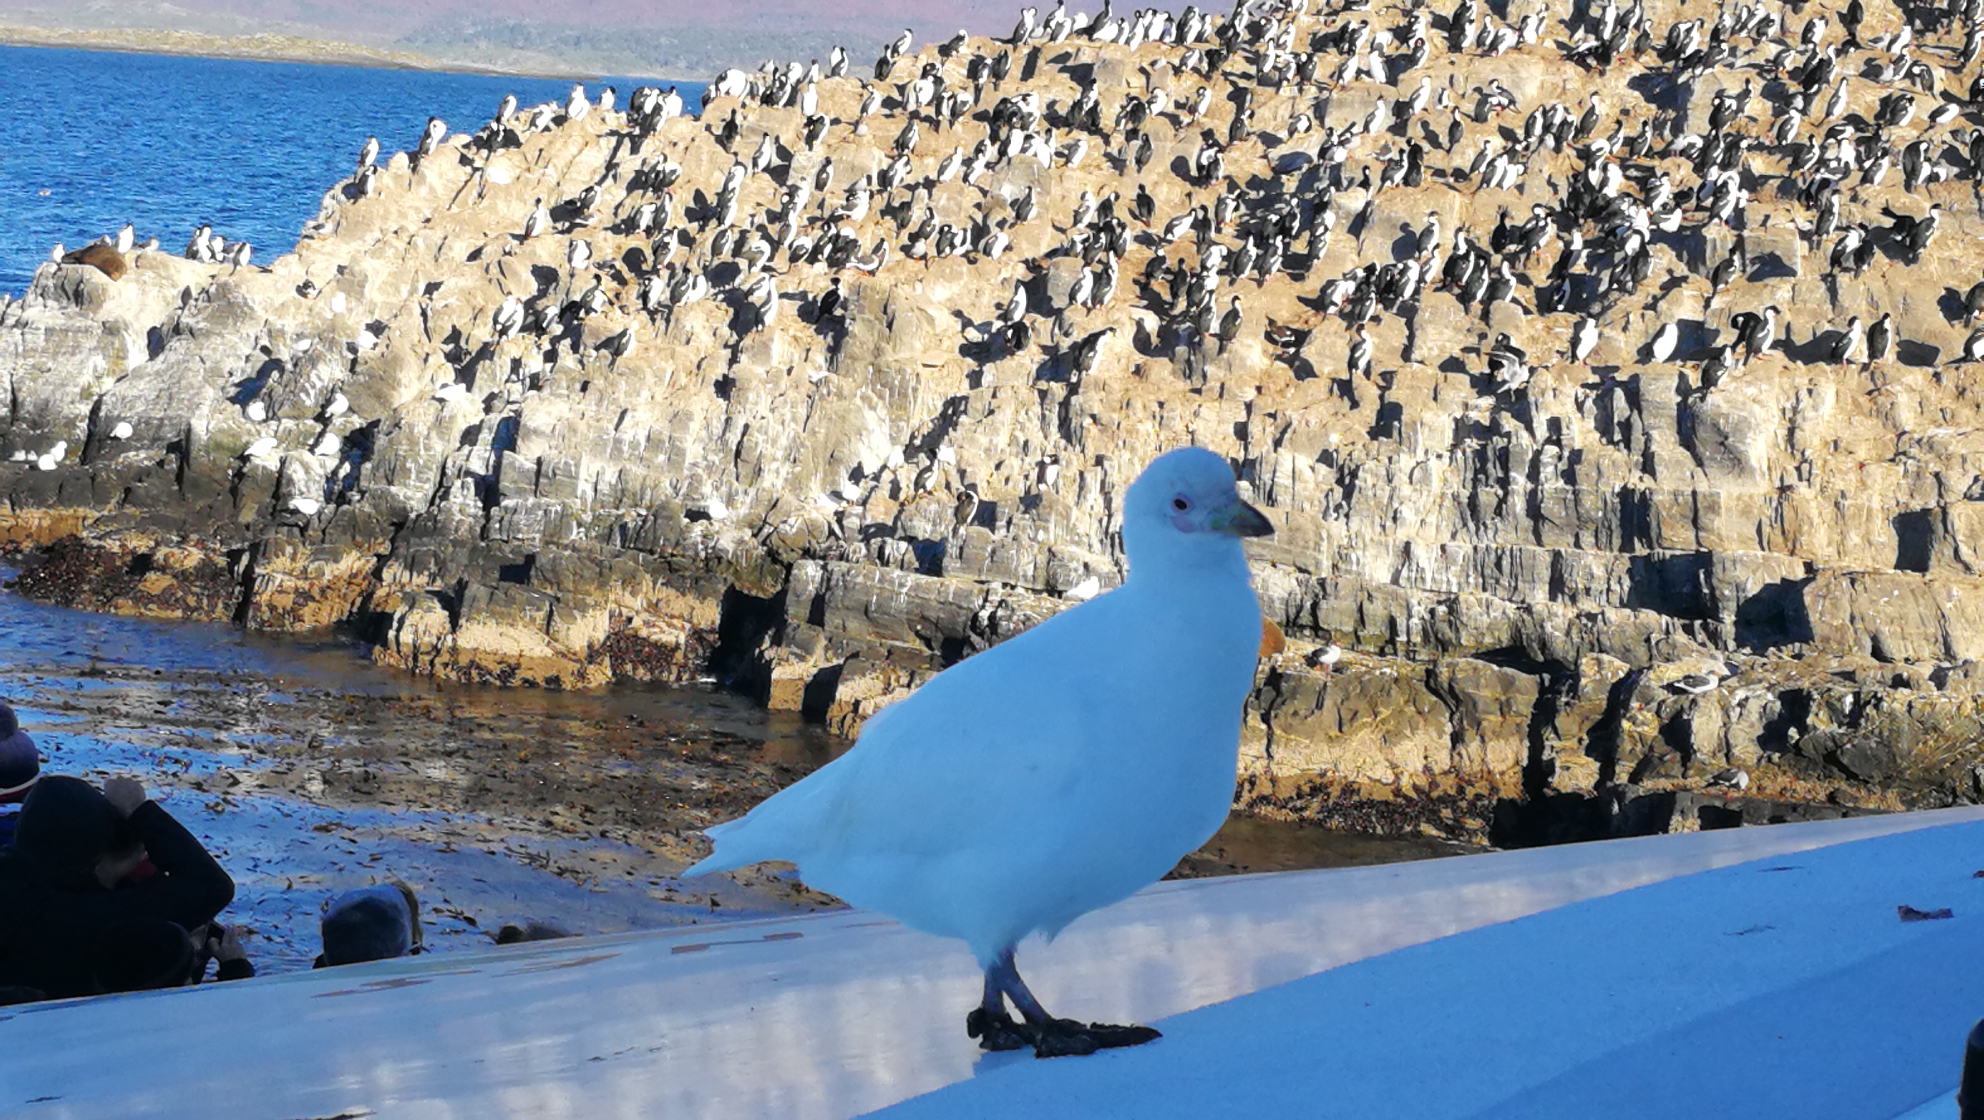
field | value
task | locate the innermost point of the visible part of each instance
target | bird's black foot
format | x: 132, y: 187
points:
x: 1061, y: 1038
x: 996, y: 1030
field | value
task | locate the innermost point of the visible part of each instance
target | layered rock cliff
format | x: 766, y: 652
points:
x: 601, y: 395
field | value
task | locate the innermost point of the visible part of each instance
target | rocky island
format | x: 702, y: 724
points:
x: 1607, y: 380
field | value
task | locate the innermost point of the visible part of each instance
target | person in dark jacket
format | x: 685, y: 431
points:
x: 20, y: 766
x: 61, y: 908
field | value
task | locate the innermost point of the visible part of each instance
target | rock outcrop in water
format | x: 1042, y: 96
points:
x: 787, y: 427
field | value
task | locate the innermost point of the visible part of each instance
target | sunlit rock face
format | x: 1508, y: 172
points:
x: 777, y: 420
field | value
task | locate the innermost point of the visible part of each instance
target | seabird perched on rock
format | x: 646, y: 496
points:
x: 1358, y: 363
x: 1695, y: 684
x: 122, y: 430
x: 369, y: 154
x: 965, y: 510
x: 1229, y: 325
x: 1508, y: 364
x: 1584, y: 339
x: 1731, y: 778
x: 1879, y: 337
x: 508, y: 319
x: 538, y: 221
x: 431, y: 137
x: 966, y: 813
x: 1973, y: 347
x: 576, y: 105
x: 1758, y: 332
x: 1849, y: 341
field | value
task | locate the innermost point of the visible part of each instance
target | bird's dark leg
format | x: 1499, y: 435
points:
x: 989, y: 1023
x: 1049, y: 1037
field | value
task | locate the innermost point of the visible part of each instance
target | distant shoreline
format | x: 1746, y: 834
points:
x: 271, y: 48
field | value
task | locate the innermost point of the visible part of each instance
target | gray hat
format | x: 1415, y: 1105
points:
x: 20, y: 763
x: 373, y: 923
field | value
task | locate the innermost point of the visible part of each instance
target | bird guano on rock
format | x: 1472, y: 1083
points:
x: 1053, y: 774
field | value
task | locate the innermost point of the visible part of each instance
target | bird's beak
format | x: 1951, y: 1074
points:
x: 1242, y: 520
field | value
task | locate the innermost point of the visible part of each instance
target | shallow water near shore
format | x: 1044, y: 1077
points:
x: 98, y: 138
x: 307, y: 770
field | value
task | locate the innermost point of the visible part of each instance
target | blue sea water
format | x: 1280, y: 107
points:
x: 90, y: 140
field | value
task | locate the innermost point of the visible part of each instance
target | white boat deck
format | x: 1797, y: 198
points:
x: 1783, y: 989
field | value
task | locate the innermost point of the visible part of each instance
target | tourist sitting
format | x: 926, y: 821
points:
x: 373, y: 923
x: 63, y: 916
x: 20, y: 766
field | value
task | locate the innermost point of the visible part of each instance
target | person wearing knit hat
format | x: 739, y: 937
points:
x: 20, y: 767
x: 61, y: 908
x: 374, y: 923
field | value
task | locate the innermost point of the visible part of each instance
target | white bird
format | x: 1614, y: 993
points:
x: 1664, y: 341
x: 259, y: 448
x: 256, y: 411
x: 122, y: 430
x: 52, y: 458
x: 537, y: 222
x: 452, y: 391
x: 1053, y: 774
x: 339, y: 404
x: 1584, y: 339
x: 308, y: 507
x: 327, y: 445
x: 1085, y: 590
x: 1326, y: 657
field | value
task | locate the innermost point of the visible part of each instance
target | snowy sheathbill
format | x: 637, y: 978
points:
x: 1052, y: 774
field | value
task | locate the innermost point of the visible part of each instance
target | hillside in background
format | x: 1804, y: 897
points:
x: 671, y: 39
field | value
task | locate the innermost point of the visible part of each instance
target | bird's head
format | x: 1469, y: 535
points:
x: 1185, y: 508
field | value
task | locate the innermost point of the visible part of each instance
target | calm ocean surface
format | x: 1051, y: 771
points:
x: 90, y: 140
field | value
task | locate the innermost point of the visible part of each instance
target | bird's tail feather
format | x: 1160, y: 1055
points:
x: 730, y: 854
x: 783, y: 827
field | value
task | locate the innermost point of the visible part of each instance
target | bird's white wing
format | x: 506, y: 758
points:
x: 980, y: 741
